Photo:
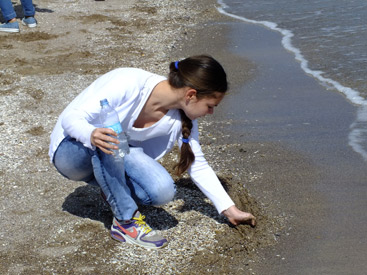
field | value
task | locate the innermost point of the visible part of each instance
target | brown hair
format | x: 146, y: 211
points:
x: 204, y: 74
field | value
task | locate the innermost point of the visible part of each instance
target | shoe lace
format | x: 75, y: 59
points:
x: 140, y: 222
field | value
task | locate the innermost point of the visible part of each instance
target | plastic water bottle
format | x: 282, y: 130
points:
x: 110, y: 119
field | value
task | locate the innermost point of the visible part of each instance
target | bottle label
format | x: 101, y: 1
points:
x: 116, y: 127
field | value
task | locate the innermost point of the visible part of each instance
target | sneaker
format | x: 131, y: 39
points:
x: 9, y: 27
x: 29, y: 21
x: 137, y: 232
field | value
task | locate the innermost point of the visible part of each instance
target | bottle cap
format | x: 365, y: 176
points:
x: 103, y: 102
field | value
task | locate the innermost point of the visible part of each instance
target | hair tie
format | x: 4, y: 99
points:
x: 176, y: 65
x: 185, y: 140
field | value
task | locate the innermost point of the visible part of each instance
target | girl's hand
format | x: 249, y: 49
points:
x: 236, y: 216
x: 102, y: 138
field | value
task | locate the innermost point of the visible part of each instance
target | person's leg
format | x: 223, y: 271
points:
x: 146, y: 182
x: 149, y: 181
x: 73, y: 160
x: 7, y: 10
x: 29, y: 11
x: 110, y: 176
x: 150, y: 184
x: 76, y: 162
x: 28, y: 8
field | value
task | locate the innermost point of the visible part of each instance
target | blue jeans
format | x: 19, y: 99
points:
x: 8, y: 12
x: 144, y: 181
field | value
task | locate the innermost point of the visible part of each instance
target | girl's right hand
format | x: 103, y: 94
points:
x: 103, y: 139
x: 236, y: 216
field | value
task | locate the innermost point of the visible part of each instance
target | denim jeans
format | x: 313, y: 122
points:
x: 8, y: 12
x: 144, y: 181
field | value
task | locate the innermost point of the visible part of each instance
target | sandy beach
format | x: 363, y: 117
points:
x: 50, y: 225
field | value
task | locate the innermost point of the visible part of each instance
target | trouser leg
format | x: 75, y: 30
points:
x: 7, y: 10
x: 28, y: 7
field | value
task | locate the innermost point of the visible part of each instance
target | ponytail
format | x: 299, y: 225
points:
x: 204, y: 74
x: 187, y: 157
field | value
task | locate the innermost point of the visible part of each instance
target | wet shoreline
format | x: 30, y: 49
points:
x: 320, y: 190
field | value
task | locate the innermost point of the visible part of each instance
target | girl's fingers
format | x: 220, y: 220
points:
x: 103, y: 138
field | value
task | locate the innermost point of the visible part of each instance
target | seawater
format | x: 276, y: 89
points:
x: 329, y: 40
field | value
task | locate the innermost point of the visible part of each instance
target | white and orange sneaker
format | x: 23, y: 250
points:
x: 137, y: 231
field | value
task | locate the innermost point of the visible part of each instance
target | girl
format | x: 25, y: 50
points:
x: 155, y: 112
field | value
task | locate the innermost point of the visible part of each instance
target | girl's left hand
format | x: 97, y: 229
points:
x: 236, y: 216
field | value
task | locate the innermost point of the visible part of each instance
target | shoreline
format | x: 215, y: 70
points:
x: 355, y: 137
x: 320, y: 189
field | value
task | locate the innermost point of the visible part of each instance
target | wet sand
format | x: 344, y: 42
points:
x: 321, y: 190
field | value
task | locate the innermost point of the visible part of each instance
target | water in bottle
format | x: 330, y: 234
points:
x: 109, y: 119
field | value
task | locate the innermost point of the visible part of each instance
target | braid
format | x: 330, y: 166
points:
x: 187, y: 157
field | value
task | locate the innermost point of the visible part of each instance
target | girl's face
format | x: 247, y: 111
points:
x: 196, y: 108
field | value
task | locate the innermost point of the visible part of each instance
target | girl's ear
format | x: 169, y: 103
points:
x: 190, y: 94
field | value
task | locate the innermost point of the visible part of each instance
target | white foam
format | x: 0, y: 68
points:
x: 358, y: 135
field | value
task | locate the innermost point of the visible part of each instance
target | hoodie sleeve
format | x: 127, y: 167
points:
x: 81, y: 117
x: 204, y: 176
x: 123, y: 89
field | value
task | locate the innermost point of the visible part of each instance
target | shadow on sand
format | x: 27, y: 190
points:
x: 86, y: 202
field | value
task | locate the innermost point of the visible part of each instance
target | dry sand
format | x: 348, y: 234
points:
x: 50, y: 225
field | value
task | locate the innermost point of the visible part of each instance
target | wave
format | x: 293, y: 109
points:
x: 358, y: 135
